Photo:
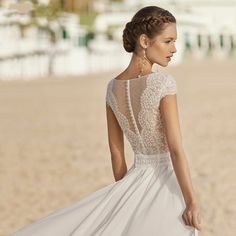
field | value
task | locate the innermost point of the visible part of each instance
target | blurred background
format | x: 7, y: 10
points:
x: 56, y: 58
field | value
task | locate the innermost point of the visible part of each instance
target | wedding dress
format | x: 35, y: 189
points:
x: 148, y: 200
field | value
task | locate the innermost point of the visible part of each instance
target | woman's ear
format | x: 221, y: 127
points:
x: 144, y: 41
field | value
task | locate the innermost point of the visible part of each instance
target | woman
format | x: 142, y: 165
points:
x: 155, y: 196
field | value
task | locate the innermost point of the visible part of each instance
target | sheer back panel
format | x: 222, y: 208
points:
x: 136, y: 105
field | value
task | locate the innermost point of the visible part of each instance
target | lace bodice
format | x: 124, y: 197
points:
x: 136, y: 105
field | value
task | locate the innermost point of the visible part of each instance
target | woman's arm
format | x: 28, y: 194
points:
x: 116, y: 145
x: 169, y: 112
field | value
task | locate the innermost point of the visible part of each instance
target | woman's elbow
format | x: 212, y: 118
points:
x: 176, y: 151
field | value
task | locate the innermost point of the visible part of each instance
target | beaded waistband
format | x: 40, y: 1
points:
x: 153, y: 160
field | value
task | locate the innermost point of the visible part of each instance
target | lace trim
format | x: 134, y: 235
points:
x: 169, y: 86
x: 148, y: 113
x: 152, y: 138
x: 124, y: 123
x: 107, y: 94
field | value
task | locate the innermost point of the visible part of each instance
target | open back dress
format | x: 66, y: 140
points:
x: 148, y: 200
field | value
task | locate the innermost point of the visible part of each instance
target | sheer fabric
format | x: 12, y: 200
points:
x: 136, y: 104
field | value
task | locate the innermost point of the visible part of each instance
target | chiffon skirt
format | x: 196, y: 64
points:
x: 146, y: 201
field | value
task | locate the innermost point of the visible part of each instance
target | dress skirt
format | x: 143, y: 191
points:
x: 146, y: 201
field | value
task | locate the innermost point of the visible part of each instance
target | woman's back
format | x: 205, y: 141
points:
x: 136, y: 105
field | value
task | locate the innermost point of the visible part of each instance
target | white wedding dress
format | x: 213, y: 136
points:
x: 147, y: 201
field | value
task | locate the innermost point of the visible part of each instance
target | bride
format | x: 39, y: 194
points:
x: 155, y: 196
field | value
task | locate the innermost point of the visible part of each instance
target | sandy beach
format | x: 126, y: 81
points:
x: 54, y: 148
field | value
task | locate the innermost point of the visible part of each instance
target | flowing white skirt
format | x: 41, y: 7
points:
x: 146, y: 201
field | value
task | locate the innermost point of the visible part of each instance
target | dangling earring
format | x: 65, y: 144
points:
x: 145, y: 56
x: 142, y: 63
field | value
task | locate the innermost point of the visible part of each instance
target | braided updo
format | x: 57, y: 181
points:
x: 149, y: 20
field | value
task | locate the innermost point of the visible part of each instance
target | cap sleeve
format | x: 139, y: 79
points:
x: 169, y: 86
x: 107, y: 97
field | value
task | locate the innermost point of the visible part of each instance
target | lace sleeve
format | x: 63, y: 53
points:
x: 169, y: 86
x: 108, y: 94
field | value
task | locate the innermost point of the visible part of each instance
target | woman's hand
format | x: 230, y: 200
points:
x: 191, y: 216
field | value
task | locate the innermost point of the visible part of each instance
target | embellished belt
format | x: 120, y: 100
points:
x: 153, y: 160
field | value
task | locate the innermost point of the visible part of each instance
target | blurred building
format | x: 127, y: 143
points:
x: 37, y: 46
x: 202, y: 31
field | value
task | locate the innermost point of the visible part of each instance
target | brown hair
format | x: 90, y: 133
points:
x: 149, y: 20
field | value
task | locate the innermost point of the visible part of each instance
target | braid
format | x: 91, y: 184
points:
x: 149, y: 24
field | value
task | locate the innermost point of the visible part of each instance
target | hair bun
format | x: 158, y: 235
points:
x: 129, y: 41
x: 148, y: 20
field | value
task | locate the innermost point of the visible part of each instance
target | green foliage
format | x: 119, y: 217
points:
x: 51, y: 12
x: 88, y: 19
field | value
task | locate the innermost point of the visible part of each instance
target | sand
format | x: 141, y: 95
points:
x: 54, y: 148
